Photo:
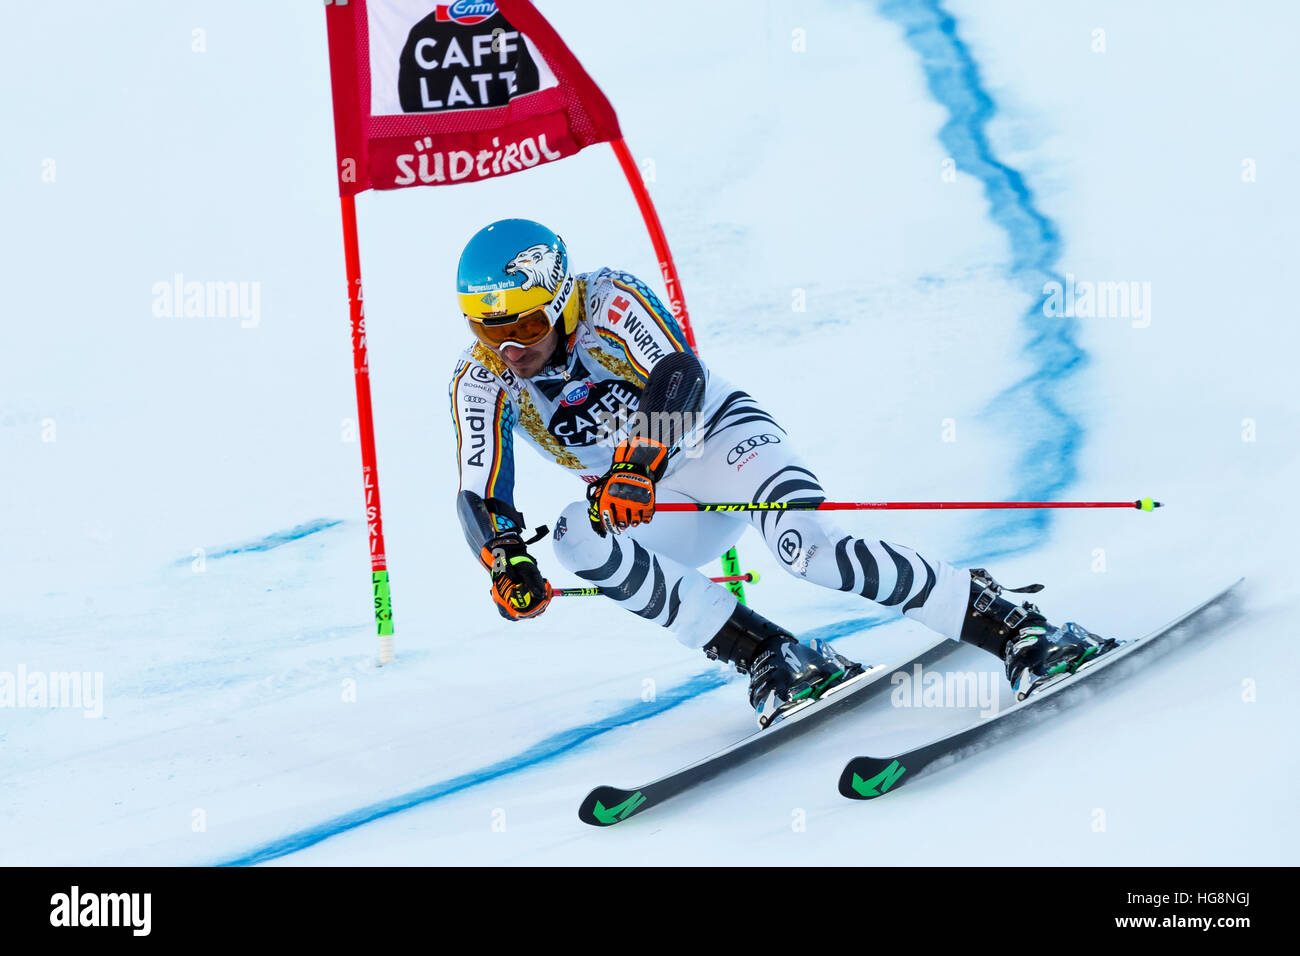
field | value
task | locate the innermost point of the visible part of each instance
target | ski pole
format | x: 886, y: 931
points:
x: 1142, y: 504
x: 591, y: 592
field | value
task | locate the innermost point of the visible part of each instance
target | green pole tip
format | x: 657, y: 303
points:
x: 753, y: 577
x: 1146, y: 504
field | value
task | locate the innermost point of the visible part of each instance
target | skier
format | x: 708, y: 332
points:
x: 597, y: 375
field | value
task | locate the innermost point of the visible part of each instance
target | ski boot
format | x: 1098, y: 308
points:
x: 1034, y: 651
x: 782, y: 672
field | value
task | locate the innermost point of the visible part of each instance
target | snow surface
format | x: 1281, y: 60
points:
x: 229, y: 732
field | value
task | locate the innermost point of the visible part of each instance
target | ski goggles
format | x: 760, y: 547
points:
x: 525, y: 329
x: 528, y: 327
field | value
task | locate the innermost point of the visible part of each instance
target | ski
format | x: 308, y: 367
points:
x: 606, y: 806
x: 865, y: 778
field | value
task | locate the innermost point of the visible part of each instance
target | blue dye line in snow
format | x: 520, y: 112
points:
x: 1032, y: 408
x: 273, y: 540
x: 546, y: 749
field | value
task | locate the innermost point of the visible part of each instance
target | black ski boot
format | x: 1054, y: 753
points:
x: 782, y: 672
x: 1032, y: 649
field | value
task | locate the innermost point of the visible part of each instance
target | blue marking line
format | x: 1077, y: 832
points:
x: 544, y: 750
x: 273, y: 540
x: 1035, y: 407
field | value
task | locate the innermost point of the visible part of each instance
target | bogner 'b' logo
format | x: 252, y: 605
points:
x: 790, y: 545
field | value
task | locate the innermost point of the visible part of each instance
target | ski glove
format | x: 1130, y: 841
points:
x: 518, y: 587
x: 624, y: 496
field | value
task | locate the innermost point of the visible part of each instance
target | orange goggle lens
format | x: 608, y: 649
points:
x: 525, y: 329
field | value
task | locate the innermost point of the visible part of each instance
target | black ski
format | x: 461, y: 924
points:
x: 606, y: 806
x: 865, y: 778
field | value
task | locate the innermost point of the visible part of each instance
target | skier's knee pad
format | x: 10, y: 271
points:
x: 651, y: 585
x: 693, y: 540
x: 576, y: 543
x: 804, y: 545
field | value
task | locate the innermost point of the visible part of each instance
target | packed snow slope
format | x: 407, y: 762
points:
x: 182, y: 511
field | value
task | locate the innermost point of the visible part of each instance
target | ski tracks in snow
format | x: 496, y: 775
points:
x: 1034, y: 405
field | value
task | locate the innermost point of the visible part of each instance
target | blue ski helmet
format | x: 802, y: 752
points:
x: 512, y: 267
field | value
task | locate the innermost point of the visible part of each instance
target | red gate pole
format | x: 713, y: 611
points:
x: 676, y: 300
x: 366, y: 430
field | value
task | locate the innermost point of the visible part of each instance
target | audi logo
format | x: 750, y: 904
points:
x: 749, y: 444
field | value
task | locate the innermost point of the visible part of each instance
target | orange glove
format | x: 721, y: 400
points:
x: 624, y: 496
x: 518, y: 588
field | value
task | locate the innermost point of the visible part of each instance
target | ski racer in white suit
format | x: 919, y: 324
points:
x: 596, y: 374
